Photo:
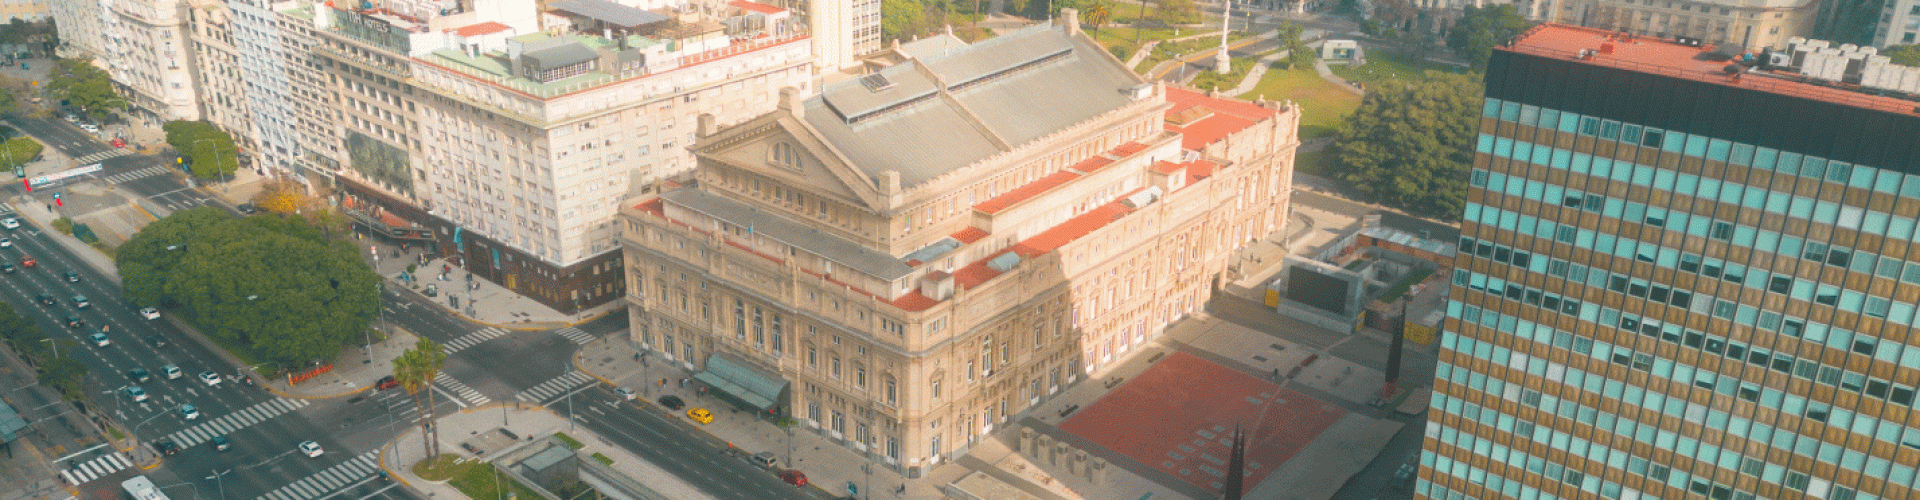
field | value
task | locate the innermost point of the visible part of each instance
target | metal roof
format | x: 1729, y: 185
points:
x: 1010, y: 86
x: 561, y: 55
x: 608, y: 12
x: 842, y: 252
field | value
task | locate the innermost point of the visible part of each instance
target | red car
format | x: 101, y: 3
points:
x: 28, y: 262
x: 794, y: 477
x: 119, y: 143
x: 386, y: 383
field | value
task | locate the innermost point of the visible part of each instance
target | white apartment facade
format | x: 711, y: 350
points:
x: 217, y: 67
x: 1899, y: 24
x: 511, y: 147
x: 79, y: 23
x: 1748, y: 23
x: 146, y: 52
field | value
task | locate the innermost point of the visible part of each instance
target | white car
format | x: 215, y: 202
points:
x: 138, y: 394
x: 171, y: 371
x: 6, y: 242
x: 210, y: 378
x: 311, y: 448
x: 149, y: 313
x: 100, y: 339
x: 189, y: 412
x: 10, y: 223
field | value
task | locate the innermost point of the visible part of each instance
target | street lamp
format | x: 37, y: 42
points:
x: 219, y: 478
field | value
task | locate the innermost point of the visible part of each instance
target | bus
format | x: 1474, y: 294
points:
x: 141, y: 488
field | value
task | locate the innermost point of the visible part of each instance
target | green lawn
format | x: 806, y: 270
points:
x: 1383, y: 65
x: 1326, y: 103
x: 474, y: 478
x: 1123, y: 37
x: 1211, y: 80
x: 571, y: 442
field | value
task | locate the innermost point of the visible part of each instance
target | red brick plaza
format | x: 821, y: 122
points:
x: 1179, y: 417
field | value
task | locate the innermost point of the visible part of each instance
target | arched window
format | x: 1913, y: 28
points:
x: 785, y: 154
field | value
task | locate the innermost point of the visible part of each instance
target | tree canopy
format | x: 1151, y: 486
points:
x: 276, y: 284
x: 84, y: 86
x: 1904, y: 55
x: 1480, y: 29
x: 1411, y: 143
x: 209, y: 149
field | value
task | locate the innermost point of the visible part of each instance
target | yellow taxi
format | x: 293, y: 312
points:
x: 700, y: 415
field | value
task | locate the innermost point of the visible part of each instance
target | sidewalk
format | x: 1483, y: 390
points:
x: 480, y: 300
x: 827, y: 463
x: 529, y: 423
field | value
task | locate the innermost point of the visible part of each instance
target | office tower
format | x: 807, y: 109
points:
x: 506, y: 145
x: 1679, y: 279
x: 911, y: 258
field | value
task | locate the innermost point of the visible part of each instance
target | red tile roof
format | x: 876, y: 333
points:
x: 756, y: 7
x: 970, y: 235
x: 1128, y: 149
x: 1023, y: 193
x: 1229, y: 116
x: 1167, y: 167
x: 1666, y: 58
x: 1071, y: 230
x: 1200, y: 169
x: 975, y: 274
x: 1185, y: 98
x: 652, y: 206
x: 1093, y: 164
x: 486, y: 28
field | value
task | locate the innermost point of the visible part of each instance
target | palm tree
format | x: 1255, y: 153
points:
x: 415, y: 370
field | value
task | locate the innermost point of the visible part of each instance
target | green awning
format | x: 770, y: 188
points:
x: 734, y: 377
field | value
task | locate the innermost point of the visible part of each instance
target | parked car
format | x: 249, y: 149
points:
x: 387, y: 382
x: 625, y: 393
x: 672, y: 402
x: 794, y: 477
x: 700, y: 415
x: 763, y: 459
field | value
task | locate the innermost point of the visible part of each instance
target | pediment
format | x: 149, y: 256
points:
x: 770, y: 146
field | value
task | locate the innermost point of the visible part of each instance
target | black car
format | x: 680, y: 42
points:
x: 45, y: 300
x: 138, y: 375
x: 7, y: 267
x: 166, y: 446
x: 672, y: 402
x: 75, y: 322
x: 73, y: 277
x: 220, y: 443
x: 157, y: 341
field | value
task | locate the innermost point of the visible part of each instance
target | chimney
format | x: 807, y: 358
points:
x: 790, y: 101
x: 707, y: 125
x: 1071, y: 18
x: 937, y: 285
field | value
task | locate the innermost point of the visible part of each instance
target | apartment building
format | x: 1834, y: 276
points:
x: 1752, y: 24
x: 217, y: 67
x: 509, y: 148
x: 913, y: 258
x: 1899, y: 23
x: 79, y: 23
x: 1679, y: 279
x: 25, y: 10
x: 146, y: 50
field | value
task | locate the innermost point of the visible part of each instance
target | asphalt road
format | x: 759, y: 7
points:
x: 674, y: 445
x: 149, y: 176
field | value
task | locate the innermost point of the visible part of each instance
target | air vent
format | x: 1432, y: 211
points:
x: 876, y: 82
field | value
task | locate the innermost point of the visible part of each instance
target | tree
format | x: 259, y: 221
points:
x: 277, y: 284
x: 903, y: 19
x: 1411, y: 143
x: 9, y: 101
x: 282, y: 197
x: 1904, y: 55
x: 209, y: 149
x: 1481, y: 29
x: 1098, y: 14
x: 415, y: 370
x: 85, y: 86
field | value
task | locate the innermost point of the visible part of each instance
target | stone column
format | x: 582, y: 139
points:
x: 1079, y: 464
x: 1042, y: 448
x: 1026, y: 440
x: 1059, y: 453
x: 1099, y: 472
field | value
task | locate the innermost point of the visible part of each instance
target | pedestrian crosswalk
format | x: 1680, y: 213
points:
x: 326, y: 481
x: 475, y: 338
x: 96, y: 157
x: 136, y: 174
x: 555, y: 387
x: 576, y: 335
x: 94, y: 469
x: 234, y: 421
x: 448, y: 384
